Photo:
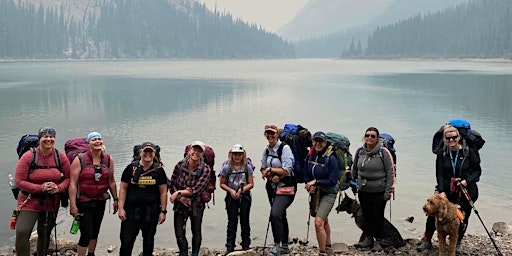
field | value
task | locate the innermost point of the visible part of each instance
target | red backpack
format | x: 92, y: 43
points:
x: 209, y: 159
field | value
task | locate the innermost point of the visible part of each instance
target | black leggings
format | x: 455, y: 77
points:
x: 235, y: 208
x: 373, y: 206
x: 180, y: 223
x: 90, y: 223
x: 144, y: 218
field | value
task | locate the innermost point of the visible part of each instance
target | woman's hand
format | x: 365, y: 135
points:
x: 310, y: 186
x: 265, y: 173
x: 116, y: 206
x: 185, y: 201
x: 161, y: 218
x: 50, y: 188
x: 121, y: 214
x: 73, y: 210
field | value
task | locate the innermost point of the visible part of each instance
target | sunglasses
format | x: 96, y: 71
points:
x: 452, y: 137
x: 270, y: 132
x: 373, y: 136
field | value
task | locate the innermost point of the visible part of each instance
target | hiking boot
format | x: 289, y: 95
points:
x: 457, y: 248
x: 425, y: 244
x: 229, y: 249
x: 376, y: 246
x: 366, y: 243
x: 275, y: 250
x: 285, y: 250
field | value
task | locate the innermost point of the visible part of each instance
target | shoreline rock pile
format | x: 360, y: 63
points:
x: 472, y: 244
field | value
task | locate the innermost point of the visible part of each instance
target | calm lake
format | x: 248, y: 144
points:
x: 173, y: 103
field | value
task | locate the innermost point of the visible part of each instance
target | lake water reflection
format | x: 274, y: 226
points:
x: 225, y: 102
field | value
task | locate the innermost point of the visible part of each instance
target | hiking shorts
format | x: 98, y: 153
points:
x: 326, y: 203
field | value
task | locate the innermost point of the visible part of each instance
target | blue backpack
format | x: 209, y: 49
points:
x: 26, y: 143
x: 389, y: 142
x: 299, y: 140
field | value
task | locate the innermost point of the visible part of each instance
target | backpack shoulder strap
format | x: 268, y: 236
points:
x: 33, y: 164
x: 57, y: 160
x: 81, y: 157
x: 280, y: 150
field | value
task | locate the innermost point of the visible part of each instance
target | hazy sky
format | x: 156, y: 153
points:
x: 270, y: 14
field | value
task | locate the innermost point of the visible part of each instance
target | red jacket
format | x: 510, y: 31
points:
x: 32, y: 183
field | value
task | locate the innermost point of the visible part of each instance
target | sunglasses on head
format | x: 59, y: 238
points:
x: 373, y: 136
x: 452, y: 137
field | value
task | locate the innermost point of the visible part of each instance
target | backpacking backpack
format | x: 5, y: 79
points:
x: 73, y: 147
x: 469, y: 137
x: 209, y: 159
x: 338, y: 145
x: 298, y: 138
x: 26, y: 142
x: 389, y: 142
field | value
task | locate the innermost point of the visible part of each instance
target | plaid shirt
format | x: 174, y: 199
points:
x: 182, y: 178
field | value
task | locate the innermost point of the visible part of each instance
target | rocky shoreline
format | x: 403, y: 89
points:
x: 472, y: 244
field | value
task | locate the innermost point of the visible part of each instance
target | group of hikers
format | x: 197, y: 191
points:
x: 45, y: 177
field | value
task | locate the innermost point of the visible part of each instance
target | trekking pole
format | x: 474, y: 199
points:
x: 309, y: 219
x: 45, y: 225
x: 476, y: 212
x: 269, y: 219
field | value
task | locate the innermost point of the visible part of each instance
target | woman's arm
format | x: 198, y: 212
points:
x: 476, y: 169
x: 390, y: 173
x: 112, y: 185
x: 73, y: 186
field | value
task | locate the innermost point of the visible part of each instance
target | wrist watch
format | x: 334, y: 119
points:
x: 163, y: 211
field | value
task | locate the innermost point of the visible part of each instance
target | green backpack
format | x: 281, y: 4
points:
x: 338, y: 145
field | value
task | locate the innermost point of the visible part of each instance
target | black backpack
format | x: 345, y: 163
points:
x: 469, y: 137
x: 298, y: 138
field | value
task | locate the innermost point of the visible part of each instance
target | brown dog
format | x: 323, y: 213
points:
x: 391, y: 235
x: 447, y: 222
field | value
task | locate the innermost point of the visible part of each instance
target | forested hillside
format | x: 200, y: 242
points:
x: 132, y: 29
x: 479, y: 29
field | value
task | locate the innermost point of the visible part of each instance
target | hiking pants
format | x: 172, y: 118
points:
x: 180, y: 223
x: 280, y: 228
x: 234, y: 208
x: 144, y: 218
x: 373, y: 206
x: 90, y: 222
x: 24, y: 225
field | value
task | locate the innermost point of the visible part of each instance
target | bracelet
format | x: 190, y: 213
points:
x: 163, y: 211
x: 116, y: 199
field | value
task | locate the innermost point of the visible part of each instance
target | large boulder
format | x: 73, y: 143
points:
x: 502, y: 228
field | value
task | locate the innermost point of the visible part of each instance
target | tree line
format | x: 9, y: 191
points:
x: 132, y: 29
x: 477, y: 29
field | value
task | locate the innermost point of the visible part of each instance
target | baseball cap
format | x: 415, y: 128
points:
x: 148, y: 145
x: 271, y: 127
x: 320, y: 136
x: 198, y: 144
